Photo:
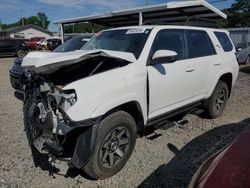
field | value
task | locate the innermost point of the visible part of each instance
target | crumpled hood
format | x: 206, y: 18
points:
x: 47, y: 62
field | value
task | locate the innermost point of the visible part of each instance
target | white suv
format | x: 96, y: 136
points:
x: 89, y: 106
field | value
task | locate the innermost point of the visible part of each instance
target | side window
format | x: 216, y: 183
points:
x: 200, y: 44
x: 224, y: 41
x: 11, y: 43
x: 170, y: 39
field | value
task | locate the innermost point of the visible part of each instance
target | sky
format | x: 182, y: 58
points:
x: 12, y: 10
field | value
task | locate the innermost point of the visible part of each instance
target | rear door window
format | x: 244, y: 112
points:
x: 200, y: 44
x: 224, y: 41
x: 11, y: 43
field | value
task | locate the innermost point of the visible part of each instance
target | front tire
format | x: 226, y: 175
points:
x: 216, y: 103
x: 115, y: 143
x: 32, y: 130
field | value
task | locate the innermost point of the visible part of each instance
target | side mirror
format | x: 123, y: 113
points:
x: 164, y: 56
x: 239, y: 49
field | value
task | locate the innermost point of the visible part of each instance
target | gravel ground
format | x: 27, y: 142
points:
x: 167, y: 161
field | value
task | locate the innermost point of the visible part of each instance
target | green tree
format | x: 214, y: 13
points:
x: 30, y: 20
x: 43, y: 20
x: 40, y: 20
x: 83, y: 28
x: 238, y: 15
x: 241, y: 6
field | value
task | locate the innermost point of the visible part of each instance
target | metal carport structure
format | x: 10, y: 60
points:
x: 167, y: 13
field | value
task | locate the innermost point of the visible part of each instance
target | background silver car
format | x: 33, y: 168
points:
x: 243, y: 52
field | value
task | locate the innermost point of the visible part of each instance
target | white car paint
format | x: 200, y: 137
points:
x: 45, y: 62
x: 170, y: 85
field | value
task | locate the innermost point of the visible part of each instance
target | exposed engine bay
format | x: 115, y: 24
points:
x: 46, y: 103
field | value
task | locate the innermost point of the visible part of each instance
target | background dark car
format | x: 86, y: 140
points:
x: 13, y: 47
x: 74, y: 43
x: 243, y: 53
x: 17, y: 71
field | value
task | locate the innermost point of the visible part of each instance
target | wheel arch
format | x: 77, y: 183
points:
x: 228, y: 79
x: 134, y: 109
x: 225, y: 76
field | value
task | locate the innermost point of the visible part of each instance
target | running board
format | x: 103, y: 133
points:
x: 165, y: 117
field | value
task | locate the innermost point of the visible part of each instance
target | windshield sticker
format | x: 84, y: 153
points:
x: 135, y: 31
x: 85, y: 40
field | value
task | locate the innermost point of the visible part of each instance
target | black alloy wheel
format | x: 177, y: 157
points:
x: 114, y: 147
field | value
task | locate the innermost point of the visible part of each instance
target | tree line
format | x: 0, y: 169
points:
x: 238, y: 15
x: 40, y: 20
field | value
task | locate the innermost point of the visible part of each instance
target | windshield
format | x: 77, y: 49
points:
x: 72, y: 44
x: 125, y: 40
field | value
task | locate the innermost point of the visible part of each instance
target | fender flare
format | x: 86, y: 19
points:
x: 215, y: 81
x: 84, y: 147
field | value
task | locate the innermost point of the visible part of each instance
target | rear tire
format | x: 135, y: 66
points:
x: 115, y: 142
x: 216, y: 103
x: 21, y: 53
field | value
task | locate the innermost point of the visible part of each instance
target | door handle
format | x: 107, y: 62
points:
x: 216, y: 64
x: 190, y: 69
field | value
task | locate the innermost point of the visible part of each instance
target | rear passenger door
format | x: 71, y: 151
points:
x: 203, y: 55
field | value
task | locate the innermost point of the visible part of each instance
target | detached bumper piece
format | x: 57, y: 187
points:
x: 55, y: 133
x: 73, y: 140
x: 44, y: 146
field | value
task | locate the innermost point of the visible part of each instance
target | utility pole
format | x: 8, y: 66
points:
x: 22, y: 16
x: 147, y: 3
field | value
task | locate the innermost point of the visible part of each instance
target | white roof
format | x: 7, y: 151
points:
x: 172, y: 12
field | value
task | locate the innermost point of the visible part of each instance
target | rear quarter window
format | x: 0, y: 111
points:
x: 224, y: 41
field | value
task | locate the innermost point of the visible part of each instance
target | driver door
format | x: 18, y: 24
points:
x: 170, y: 84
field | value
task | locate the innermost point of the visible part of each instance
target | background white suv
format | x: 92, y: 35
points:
x: 90, y: 105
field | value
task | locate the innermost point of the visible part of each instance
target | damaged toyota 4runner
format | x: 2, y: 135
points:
x: 88, y: 106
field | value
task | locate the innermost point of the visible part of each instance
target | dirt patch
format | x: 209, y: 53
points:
x: 169, y: 160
